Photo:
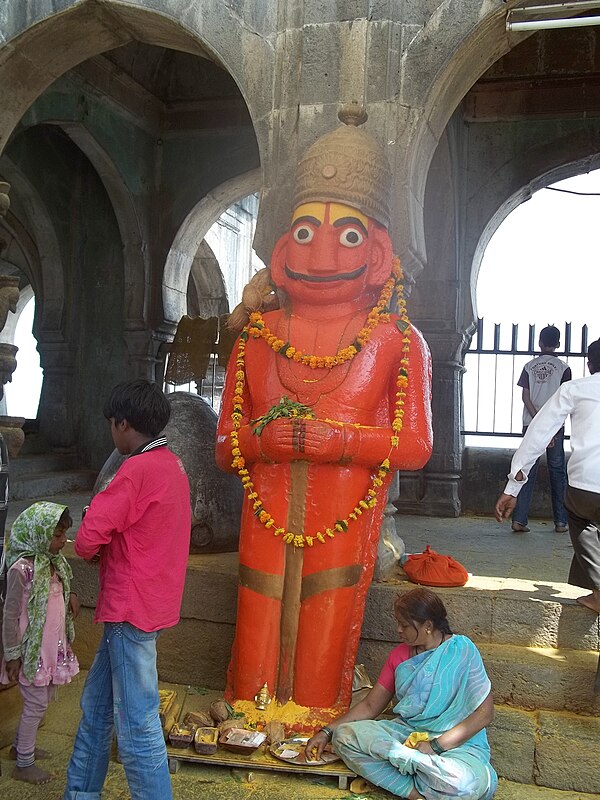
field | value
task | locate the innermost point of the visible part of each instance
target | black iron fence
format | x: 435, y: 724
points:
x: 492, y: 401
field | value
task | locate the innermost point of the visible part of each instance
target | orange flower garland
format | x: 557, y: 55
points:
x: 258, y: 329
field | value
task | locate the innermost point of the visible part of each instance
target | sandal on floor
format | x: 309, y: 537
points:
x: 361, y: 786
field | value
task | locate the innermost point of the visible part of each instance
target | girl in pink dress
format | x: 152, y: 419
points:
x: 37, y: 628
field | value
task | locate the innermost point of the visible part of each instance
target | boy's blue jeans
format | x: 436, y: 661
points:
x: 121, y: 693
x: 555, y: 458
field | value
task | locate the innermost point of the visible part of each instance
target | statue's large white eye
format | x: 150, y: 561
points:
x: 303, y: 234
x: 351, y: 237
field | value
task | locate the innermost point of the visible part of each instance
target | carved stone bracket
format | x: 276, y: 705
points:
x: 4, y: 198
x: 142, y: 346
x: 9, y: 296
x: 8, y: 364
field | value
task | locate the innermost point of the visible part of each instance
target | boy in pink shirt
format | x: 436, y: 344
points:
x: 139, y: 529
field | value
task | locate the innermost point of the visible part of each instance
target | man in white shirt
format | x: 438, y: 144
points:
x: 540, y: 378
x: 581, y: 399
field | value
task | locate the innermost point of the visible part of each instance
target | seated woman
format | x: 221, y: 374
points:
x: 443, y: 691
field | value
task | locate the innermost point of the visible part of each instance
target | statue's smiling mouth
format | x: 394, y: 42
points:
x: 340, y: 276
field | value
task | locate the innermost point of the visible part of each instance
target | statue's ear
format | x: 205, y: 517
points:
x: 381, y: 255
x: 278, y: 260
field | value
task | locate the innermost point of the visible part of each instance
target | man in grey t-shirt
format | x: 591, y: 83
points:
x: 540, y: 378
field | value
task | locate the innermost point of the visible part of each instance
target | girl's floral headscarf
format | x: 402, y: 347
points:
x: 30, y: 537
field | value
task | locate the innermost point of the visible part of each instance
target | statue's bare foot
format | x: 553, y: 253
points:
x: 591, y: 601
x: 39, y: 753
x: 31, y: 774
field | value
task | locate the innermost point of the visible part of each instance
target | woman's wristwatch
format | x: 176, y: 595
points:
x: 436, y: 746
x: 327, y: 731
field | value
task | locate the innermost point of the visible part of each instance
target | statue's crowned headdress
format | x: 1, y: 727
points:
x: 348, y: 166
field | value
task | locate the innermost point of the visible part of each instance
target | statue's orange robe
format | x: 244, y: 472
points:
x: 313, y: 664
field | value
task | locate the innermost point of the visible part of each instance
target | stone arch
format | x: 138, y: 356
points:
x: 190, y: 235
x: 206, y: 293
x: 41, y: 48
x: 135, y: 256
x: 47, y: 275
x: 449, y: 54
x: 516, y: 182
x: 9, y: 330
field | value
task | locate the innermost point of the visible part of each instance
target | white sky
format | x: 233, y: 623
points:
x: 23, y: 394
x: 543, y: 263
x: 542, y: 267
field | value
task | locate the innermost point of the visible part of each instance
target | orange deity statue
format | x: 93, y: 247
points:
x: 325, y: 396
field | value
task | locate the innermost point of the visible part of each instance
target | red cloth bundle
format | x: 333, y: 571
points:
x: 434, y: 569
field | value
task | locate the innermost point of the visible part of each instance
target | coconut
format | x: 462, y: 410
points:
x: 199, y: 718
x: 220, y: 711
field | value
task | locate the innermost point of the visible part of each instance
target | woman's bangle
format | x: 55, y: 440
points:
x: 436, y: 746
x: 327, y: 731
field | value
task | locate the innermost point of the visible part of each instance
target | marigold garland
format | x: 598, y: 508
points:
x: 257, y: 329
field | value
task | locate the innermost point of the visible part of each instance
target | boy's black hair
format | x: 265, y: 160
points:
x: 140, y: 402
x: 593, y: 354
x: 550, y: 336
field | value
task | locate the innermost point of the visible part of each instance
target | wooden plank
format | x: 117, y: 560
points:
x: 261, y: 759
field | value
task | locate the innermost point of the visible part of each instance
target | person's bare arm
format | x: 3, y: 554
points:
x: 459, y: 734
x: 526, y: 395
x: 369, y: 708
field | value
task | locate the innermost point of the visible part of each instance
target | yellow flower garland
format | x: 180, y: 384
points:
x: 258, y: 329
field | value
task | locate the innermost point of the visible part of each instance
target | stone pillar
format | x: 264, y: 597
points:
x: 436, y: 491
x: 56, y: 423
x: 142, y: 346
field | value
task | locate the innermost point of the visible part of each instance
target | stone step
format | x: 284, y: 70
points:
x: 537, y: 678
x: 505, y: 611
x: 508, y: 790
x: 25, y: 465
x: 45, y: 484
x: 557, y: 750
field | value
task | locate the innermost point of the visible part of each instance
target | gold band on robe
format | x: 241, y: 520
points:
x: 263, y: 583
x: 269, y: 585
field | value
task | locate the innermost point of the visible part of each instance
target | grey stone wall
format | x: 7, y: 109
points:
x: 484, y: 477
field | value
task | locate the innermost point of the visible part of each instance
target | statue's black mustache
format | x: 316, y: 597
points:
x: 343, y: 276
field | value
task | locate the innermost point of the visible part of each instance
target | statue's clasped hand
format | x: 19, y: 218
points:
x: 302, y: 440
x: 298, y: 435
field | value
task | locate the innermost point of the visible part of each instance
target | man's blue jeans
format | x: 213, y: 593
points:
x: 121, y: 693
x: 555, y: 458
